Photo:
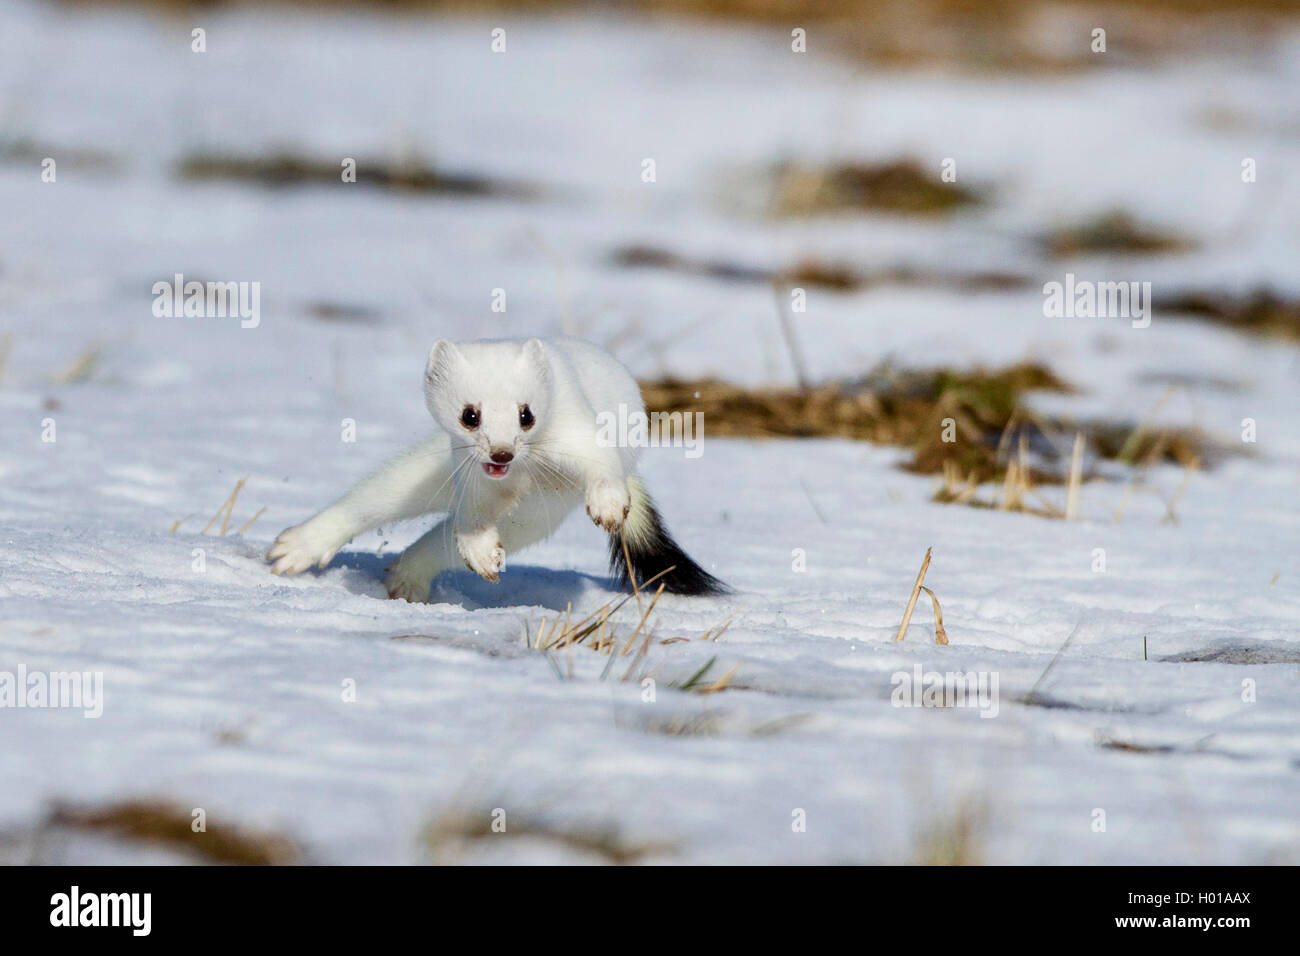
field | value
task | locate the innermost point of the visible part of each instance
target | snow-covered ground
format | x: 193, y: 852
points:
x: 224, y: 688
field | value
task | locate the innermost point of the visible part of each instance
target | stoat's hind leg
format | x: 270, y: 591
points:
x: 408, y: 577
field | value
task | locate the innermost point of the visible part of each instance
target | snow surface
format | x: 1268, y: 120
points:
x: 224, y: 688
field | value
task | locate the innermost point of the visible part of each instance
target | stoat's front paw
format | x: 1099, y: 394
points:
x: 299, y: 547
x: 407, y: 581
x: 608, y: 503
x: 482, y: 553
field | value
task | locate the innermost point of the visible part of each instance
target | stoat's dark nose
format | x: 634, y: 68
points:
x: 503, y: 457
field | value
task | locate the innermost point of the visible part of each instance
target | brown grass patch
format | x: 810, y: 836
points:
x: 817, y: 274
x: 968, y: 428
x: 1260, y: 311
x: 901, y: 187
x: 289, y: 169
x: 984, y: 35
x: 1129, y: 746
x: 888, y: 407
x: 447, y: 835
x: 27, y: 151
x: 165, y: 823
x: 342, y: 313
x: 1113, y: 233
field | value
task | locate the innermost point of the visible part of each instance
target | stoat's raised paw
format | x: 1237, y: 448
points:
x: 608, y: 503
x: 299, y: 547
x: 482, y: 553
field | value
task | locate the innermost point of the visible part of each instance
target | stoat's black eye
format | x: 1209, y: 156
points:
x: 526, y: 419
x: 469, y: 417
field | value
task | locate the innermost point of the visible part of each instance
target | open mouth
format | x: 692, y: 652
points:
x: 494, y: 470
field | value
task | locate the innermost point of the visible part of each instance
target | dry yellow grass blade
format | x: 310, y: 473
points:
x: 715, y: 632
x: 230, y: 510
x: 1017, y: 482
x: 1005, y: 438
x: 720, y: 684
x: 1076, y: 478
x: 1127, y: 454
x: 176, y: 524
x: 1170, y: 516
x: 940, y: 635
x: 954, y: 488
x: 916, y: 593
x: 631, y: 574
x: 641, y: 623
x: 1123, y: 501
x: 6, y: 345
x: 249, y: 523
x: 551, y: 640
x: 227, y: 506
x: 563, y: 633
x: 80, y: 368
x: 576, y: 633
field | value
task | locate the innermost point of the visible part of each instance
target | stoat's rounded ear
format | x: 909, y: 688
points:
x: 535, y: 352
x: 442, y: 359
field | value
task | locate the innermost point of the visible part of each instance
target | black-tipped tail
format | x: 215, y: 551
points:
x: 651, y: 550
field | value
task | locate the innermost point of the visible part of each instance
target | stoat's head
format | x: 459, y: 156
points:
x: 491, y: 397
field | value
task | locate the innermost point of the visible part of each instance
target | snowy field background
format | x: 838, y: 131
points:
x: 223, y: 689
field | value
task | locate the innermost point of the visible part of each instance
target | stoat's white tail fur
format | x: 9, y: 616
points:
x: 518, y: 448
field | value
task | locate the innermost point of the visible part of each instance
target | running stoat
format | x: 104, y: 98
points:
x: 517, y: 449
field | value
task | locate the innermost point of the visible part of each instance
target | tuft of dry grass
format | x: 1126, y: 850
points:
x: 156, y: 821
x: 228, y: 507
x: 888, y: 407
x: 969, y: 428
x: 814, y: 273
x: 710, y: 723
x: 24, y: 149
x: 1260, y: 311
x: 1000, y: 35
x: 598, y: 632
x: 1129, y: 746
x: 956, y: 840
x: 224, y: 513
x: 1114, y: 232
x: 940, y: 635
x: 447, y: 835
x: 901, y: 187
x: 706, y: 724
x: 291, y: 169
x: 1017, y: 492
x: 1142, y: 447
x: 696, y: 681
